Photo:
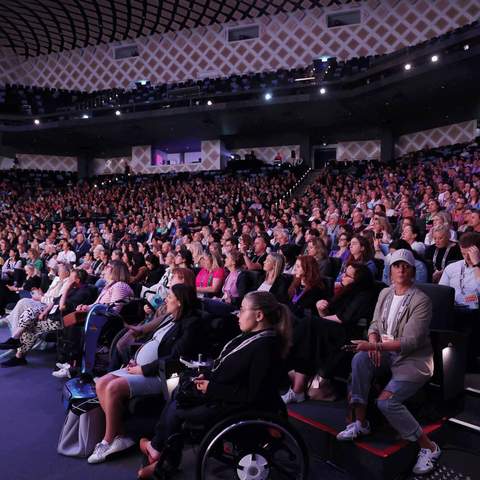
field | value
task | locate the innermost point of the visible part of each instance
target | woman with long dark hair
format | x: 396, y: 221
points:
x: 176, y: 336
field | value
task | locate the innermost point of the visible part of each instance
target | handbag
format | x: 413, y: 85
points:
x: 187, y: 395
x: 82, y: 429
x: 74, y: 318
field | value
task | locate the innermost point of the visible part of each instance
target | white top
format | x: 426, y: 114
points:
x: 264, y: 287
x: 461, y: 277
x: 64, y: 257
x: 149, y: 351
x: 395, y: 305
x: 419, y: 247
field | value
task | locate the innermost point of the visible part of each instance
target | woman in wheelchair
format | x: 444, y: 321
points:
x: 246, y: 375
x: 178, y: 335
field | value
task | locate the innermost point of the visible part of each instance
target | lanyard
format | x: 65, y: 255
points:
x: 222, y: 357
x: 462, y: 279
x: 407, y: 298
x: 444, y: 258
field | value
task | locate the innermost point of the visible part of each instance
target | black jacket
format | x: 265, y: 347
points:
x: 185, y: 339
x: 249, y: 377
x: 308, y: 301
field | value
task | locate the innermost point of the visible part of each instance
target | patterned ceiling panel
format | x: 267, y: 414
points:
x: 352, y: 151
x: 37, y: 27
x: 287, y: 40
x: 436, y: 137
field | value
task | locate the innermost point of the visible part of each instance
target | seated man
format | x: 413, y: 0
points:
x: 398, y: 343
x: 464, y: 277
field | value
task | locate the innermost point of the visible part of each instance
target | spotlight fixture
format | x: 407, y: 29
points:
x: 323, y: 91
x: 209, y: 103
x: 434, y: 58
x: 36, y: 121
x: 466, y: 47
x: 85, y: 116
x: 407, y: 66
x: 268, y: 96
x: 118, y: 113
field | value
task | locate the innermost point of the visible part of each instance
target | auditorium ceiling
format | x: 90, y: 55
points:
x: 36, y: 27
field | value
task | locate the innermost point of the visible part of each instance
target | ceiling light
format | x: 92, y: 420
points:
x: 466, y: 47
x: 268, y: 96
x: 36, y: 121
x: 408, y: 66
x: 209, y: 103
x: 323, y: 91
x: 85, y: 116
x: 434, y: 58
x: 118, y: 113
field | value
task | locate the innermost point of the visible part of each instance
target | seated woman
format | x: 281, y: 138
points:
x: 339, y: 320
x: 38, y: 302
x: 246, y: 375
x: 307, y: 287
x: 177, y: 335
x: 230, y: 298
x: 115, y: 291
x: 317, y: 249
x: 154, y: 272
x: 343, y: 250
x: 361, y: 251
x: 421, y: 271
x: 12, y: 263
x: 140, y: 333
x: 13, y: 293
x: 210, y: 278
x: 31, y: 327
x: 275, y: 282
x: 398, y: 344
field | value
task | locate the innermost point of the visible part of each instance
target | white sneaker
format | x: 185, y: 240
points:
x: 103, y: 450
x: 62, y: 373
x: 292, y: 397
x: 426, y: 460
x: 353, y: 431
x: 62, y: 365
x: 100, y: 453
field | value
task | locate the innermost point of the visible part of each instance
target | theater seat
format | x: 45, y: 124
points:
x: 443, y: 299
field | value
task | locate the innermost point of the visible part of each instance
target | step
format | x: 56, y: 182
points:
x: 469, y: 417
x: 379, y: 456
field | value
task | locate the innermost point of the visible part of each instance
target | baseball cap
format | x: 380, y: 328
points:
x: 403, y: 255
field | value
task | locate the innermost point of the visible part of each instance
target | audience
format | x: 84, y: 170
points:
x: 351, y: 223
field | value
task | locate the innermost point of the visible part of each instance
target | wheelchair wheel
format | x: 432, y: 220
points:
x: 252, y: 447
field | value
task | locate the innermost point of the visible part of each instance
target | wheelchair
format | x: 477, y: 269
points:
x: 243, y: 446
x: 252, y: 446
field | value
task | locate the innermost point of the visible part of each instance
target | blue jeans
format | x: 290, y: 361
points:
x: 363, y: 372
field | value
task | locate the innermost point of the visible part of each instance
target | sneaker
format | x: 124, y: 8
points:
x: 426, y: 460
x: 292, y: 397
x: 103, y: 450
x: 62, y: 366
x: 62, y: 373
x: 121, y: 443
x: 10, y: 344
x: 353, y: 431
x: 100, y: 453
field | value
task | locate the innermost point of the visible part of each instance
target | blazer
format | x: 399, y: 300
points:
x: 414, y: 362
x: 184, y: 339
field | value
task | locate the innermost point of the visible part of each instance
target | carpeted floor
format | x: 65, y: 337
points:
x: 31, y: 417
